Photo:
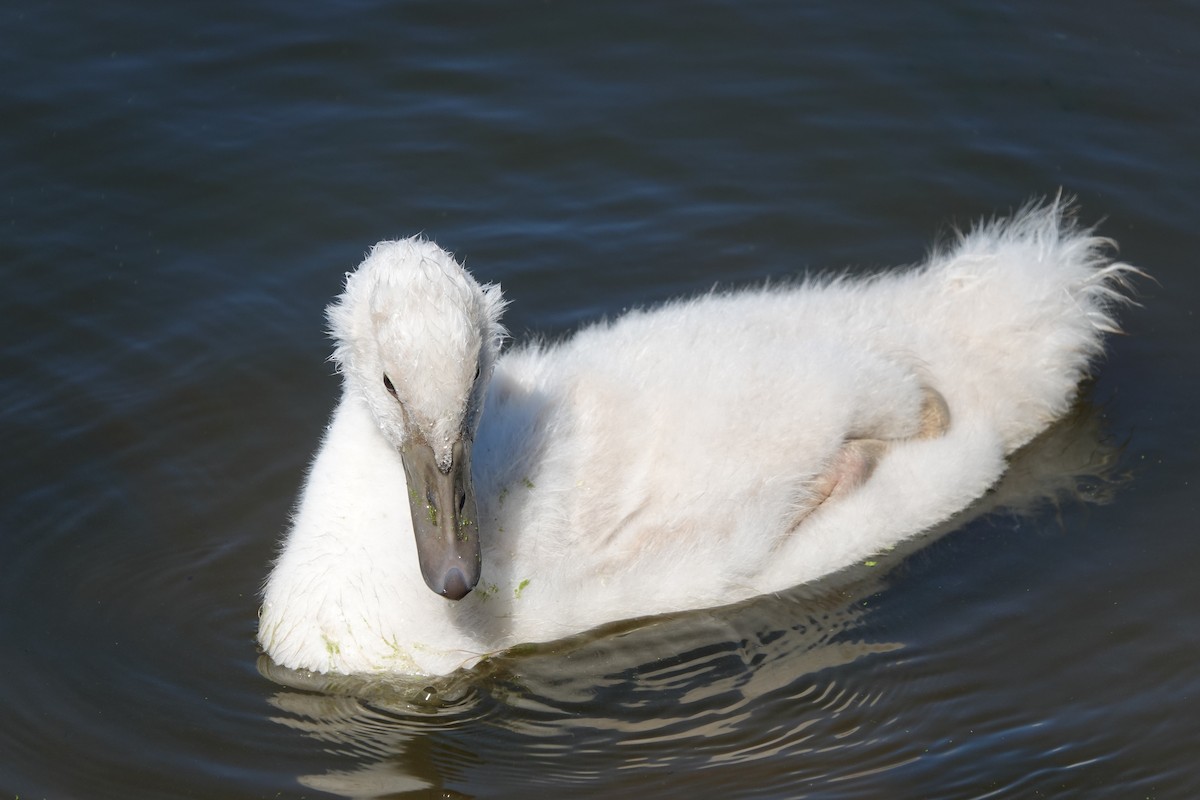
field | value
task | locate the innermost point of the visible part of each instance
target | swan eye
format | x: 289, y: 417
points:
x: 478, y: 369
x: 387, y: 384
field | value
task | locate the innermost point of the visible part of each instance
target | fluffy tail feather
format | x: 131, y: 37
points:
x: 1027, y: 301
x: 1052, y: 228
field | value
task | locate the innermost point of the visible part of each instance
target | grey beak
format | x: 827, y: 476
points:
x: 445, y: 518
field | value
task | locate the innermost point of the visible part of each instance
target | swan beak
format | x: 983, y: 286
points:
x: 445, y: 519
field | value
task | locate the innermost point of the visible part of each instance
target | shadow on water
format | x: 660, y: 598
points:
x: 780, y: 691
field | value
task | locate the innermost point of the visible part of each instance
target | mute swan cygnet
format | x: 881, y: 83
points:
x: 681, y: 457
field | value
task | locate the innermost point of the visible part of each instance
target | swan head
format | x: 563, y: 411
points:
x: 416, y: 339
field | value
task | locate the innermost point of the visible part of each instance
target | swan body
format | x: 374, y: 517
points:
x: 686, y: 456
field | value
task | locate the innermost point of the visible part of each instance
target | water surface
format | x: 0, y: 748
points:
x: 183, y: 189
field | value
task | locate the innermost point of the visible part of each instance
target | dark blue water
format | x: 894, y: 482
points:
x: 181, y: 189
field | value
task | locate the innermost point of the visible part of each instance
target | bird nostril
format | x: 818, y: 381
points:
x: 462, y: 501
x: 431, y: 507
